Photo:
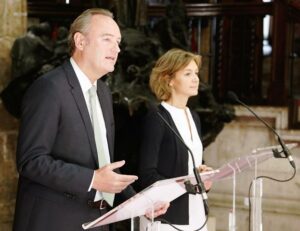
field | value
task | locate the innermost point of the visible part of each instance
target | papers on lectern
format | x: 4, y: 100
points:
x: 159, y: 192
x: 169, y: 189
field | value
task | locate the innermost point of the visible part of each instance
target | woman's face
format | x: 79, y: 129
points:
x: 186, y: 81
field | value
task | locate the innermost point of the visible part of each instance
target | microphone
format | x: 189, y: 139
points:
x: 233, y: 97
x: 195, y: 170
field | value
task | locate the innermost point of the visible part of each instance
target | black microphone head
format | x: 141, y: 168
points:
x: 232, y: 96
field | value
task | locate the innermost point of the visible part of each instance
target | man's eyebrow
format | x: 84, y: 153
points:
x: 106, y: 34
x: 110, y: 35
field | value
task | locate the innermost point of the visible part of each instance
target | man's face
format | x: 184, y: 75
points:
x: 101, y: 46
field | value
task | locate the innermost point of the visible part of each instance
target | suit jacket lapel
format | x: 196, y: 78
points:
x: 81, y: 104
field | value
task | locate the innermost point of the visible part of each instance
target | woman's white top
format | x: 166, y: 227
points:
x: 189, y: 133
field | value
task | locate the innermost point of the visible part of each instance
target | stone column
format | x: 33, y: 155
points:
x: 8, y: 173
x: 13, y: 24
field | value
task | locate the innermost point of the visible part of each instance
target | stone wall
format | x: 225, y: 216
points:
x: 8, y: 173
x: 13, y: 18
x: 13, y: 24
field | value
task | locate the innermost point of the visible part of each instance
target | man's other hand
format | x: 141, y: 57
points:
x: 106, y: 180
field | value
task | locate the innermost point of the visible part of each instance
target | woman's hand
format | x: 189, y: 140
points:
x: 208, y: 183
x: 160, y: 208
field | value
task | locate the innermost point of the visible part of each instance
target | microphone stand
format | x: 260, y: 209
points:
x: 256, y: 215
x: 199, y: 187
x: 277, y: 154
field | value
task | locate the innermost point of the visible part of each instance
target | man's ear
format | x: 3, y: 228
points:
x: 79, y: 40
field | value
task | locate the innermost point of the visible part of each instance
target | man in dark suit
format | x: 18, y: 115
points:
x: 62, y: 181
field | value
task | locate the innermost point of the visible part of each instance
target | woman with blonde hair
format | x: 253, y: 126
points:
x: 174, y: 79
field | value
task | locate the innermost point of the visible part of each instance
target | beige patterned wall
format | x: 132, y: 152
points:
x: 13, y: 24
x: 280, y: 201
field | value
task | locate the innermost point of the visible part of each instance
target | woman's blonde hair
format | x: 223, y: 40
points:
x: 81, y: 23
x: 166, y: 67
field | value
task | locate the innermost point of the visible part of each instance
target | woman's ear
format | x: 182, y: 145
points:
x: 170, y: 81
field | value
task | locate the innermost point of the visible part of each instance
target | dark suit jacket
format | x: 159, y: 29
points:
x: 162, y: 156
x: 56, y: 153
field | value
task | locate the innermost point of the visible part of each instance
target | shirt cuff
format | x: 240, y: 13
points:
x: 91, y: 182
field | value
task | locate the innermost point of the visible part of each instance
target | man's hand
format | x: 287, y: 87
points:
x: 106, y: 180
x: 160, y: 208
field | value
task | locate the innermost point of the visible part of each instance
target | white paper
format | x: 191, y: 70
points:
x: 169, y: 189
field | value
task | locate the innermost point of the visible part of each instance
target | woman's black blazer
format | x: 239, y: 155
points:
x: 163, y: 156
